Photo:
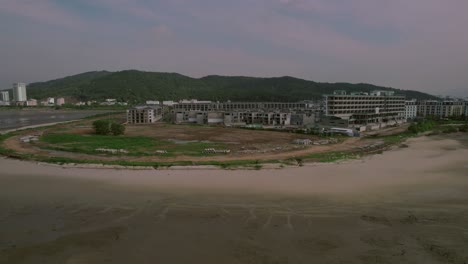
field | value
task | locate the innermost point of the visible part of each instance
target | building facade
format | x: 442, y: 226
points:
x: 5, y: 96
x: 442, y: 109
x: 411, y: 109
x: 195, y: 105
x: 466, y: 110
x: 144, y: 114
x: 366, y: 111
x: 19, y: 92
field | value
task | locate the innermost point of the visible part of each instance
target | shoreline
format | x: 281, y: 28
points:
x: 324, y: 176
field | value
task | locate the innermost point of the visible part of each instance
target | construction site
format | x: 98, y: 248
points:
x: 186, y: 144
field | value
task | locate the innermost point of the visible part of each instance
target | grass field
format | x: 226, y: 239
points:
x: 135, y: 145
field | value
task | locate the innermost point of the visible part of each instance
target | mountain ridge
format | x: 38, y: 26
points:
x: 137, y: 86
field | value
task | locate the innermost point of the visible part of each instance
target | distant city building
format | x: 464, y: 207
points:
x: 442, y: 109
x: 411, y: 109
x: 364, y: 111
x: 5, y: 96
x: 144, y: 114
x: 60, y: 101
x: 50, y: 101
x: 19, y: 92
x: 31, y: 102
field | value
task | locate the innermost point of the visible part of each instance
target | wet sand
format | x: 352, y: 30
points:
x: 408, y: 205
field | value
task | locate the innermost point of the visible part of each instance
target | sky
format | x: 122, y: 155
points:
x: 407, y: 44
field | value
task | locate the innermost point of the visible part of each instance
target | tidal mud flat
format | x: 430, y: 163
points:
x: 408, y: 205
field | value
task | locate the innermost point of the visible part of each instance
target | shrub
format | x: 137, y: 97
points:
x: 106, y: 127
x: 421, y: 127
x: 102, y: 127
x: 450, y: 129
x: 117, y: 129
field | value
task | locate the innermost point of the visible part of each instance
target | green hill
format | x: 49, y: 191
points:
x: 137, y: 86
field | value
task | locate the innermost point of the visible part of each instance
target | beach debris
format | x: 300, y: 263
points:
x: 29, y: 138
x: 307, y: 142
x: 112, y: 151
x: 161, y: 151
x: 303, y: 141
x: 216, y: 151
x: 371, y: 146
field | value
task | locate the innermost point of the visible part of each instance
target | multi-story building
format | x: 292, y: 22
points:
x: 60, y: 101
x: 195, y: 105
x: 19, y: 92
x: 366, y: 111
x: 144, y: 114
x: 442, y: 109
x: 411, y: 109
x: 5, y: 96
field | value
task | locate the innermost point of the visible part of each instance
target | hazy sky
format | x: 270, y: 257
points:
x: 408, y: 44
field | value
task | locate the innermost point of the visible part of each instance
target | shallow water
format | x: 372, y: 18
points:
x: 10, y: 119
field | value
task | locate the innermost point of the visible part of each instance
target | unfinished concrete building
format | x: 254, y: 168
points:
x: 245, y: 113
x: 144, y: 114
x: 365, y: 111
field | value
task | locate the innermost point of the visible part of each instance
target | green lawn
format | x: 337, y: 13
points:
x: 137, y: 145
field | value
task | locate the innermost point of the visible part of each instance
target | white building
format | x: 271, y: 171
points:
x: 31, y: 102
x: 19, y: 92
x: 50, y: 101
x: 60, y: 101
x: 411, y: 109
x: 442, y: 109
x: 5, y: 96
x: 152, y: 102
x: 466, y: 109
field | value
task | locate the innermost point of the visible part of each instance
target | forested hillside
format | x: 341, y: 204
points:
x: 137, y: 86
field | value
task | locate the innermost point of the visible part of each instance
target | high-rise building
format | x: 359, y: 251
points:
x: 5, y: 96
x: 19, y: 92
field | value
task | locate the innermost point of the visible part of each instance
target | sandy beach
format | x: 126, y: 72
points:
x: 407, y: 205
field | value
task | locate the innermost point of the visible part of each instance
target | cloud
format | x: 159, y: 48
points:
x: 42, y: 11
x: 419, y: 44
